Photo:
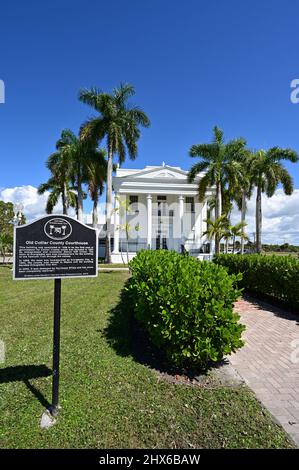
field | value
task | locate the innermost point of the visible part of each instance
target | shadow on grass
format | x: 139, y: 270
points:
x: 25, y: 374
x: 127, y: 337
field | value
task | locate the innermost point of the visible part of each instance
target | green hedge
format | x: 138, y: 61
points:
x: 275, y: 276
x: 186, y: 306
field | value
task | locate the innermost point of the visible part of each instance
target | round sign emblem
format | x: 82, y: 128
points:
x: 58, y: 229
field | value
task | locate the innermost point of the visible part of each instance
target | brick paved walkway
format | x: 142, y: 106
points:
x: 265, y: 361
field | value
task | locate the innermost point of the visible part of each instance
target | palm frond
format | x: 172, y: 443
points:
x: 196, y: 169
x: 275, y: 154
x: 206, y: 151
x: 122, y: 93
x: 52, y: 201
x: 93, y: 130
x: 286, y: 181
x: 203, y: 186
x: 90, y: 96
x: 139, y: 117
x: 218, y: 135
x: 42, y: 188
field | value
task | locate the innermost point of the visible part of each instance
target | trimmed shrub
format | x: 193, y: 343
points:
x: 186, y: 306
x: 274, y: 276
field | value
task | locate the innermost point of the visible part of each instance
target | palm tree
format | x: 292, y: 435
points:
x: 227, y: 236
x: 57, y: 190
x: 97, y: 175
x: 123, y: 209
x: 78, y: 154
x: 119, y: 124
x: 59, y: 182
x: 227, y: 197
x: 216, y: 229
x: 243, y: 191
x: 238, y: 231
x: 218, y: 161
x: 267, y: 172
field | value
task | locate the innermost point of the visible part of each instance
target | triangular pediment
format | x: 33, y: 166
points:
x: 162, y: 172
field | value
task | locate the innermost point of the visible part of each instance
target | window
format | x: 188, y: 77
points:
x: 133, y: 203
x: 190, y: 204
x: 162, y: 205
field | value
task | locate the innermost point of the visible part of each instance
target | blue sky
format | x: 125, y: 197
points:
x: 193, y: 63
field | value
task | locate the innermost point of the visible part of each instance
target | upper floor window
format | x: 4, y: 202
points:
x: 162, y: 205
x: 133, y: 203
x: 190, y: 204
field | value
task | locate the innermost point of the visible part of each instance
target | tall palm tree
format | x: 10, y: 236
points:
x: 59, y: 182
x: 118, y: 123
x: 267, y: 172
x: 97, y: 175
x: 77, y: 153
x: 243, y: 191
x: 218, y: 161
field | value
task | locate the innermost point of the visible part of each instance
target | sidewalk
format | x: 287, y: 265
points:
x: 269, y: 361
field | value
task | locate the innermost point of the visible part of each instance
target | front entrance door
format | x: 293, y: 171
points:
x: 161, y: 242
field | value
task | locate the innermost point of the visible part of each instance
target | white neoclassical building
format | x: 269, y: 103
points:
x: 157, y: 208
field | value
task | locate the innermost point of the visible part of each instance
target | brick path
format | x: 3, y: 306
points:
x: 265, y: 360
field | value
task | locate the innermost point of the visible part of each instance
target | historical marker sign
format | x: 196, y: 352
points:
x: 55, y: 246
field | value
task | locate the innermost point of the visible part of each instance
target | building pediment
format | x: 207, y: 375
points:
x: 161, y: 172
x: 163, y: 179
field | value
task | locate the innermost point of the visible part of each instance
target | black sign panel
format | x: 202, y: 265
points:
x: 55, y: 246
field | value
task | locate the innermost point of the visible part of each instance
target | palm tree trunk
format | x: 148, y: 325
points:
x: 64, y: 199
x: 109, y: 205
x: 226, y: 245
x: 258, y: 220
x: 121, y: 252
x: 95, y: 214
x: 218, y: 212
x: 127, y: 236
x: 80, y: 202
x: 218, y: 205
x: 234, y: 241
x: 95, y: 210
x: 243, y: 214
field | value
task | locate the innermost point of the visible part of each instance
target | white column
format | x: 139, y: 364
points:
x: 198, y: 221
x: 116, y: 224
x: 181, y: 214
x: 149, y: 221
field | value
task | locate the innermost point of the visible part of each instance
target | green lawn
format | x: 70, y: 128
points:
x: 113, y: 265
x: 109, y: 398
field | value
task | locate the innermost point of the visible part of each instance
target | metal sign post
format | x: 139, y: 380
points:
x: 56, y: 347
x: 55, y: 247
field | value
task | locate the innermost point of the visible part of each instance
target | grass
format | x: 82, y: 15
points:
x: 113, y: 265
x: 109, y: 398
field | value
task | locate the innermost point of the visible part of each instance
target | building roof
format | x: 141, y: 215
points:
x: 161, y: 179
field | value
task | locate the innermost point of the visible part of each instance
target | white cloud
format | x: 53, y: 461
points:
x: 280, y: 218
x: 34, y: 204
